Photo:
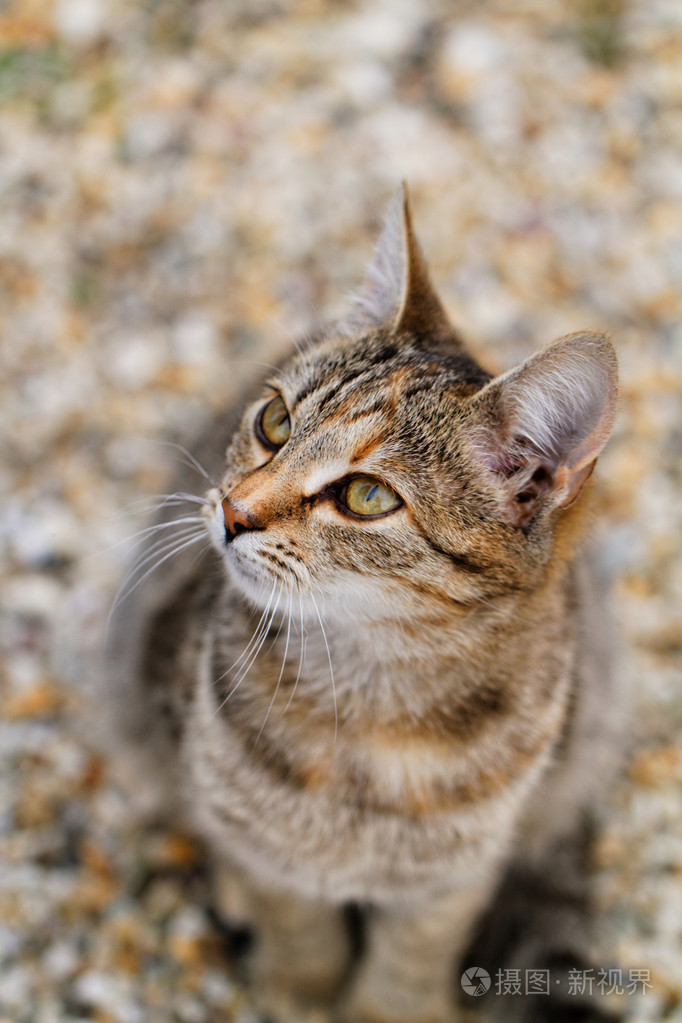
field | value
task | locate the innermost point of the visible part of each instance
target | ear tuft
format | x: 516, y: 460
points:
x: 541, y: 426
x: 381, y: 293
x: 397, y: 292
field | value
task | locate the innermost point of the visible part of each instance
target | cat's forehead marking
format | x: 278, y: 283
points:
x: 328, y: 374
x: 366, y: 449
x: 323, y: 476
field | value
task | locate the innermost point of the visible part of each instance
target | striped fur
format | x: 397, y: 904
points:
x: 420, y: 713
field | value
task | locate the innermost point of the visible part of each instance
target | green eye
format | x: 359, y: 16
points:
x: 273, y: 426
x: 365, y: 496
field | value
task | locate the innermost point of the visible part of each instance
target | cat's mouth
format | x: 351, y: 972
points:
x: 252, y: 558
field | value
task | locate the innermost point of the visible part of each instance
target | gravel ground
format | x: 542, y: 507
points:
x: 184, y: 185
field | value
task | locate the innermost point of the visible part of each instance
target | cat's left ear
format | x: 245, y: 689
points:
x: 397, y: 292
x: 539, y: 427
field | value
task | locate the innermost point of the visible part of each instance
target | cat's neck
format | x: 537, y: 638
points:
x: 387, y: 666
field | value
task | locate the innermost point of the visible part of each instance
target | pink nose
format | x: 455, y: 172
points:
x: 236, y: 521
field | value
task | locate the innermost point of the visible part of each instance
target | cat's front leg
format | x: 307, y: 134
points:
x: 301, y: 952
x: 408, y: 970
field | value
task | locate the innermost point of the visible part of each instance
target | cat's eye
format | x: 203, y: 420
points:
x: 273, y: 426
x: 368, y: 497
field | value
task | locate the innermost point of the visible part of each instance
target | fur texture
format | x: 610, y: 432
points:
x: 401, y: 712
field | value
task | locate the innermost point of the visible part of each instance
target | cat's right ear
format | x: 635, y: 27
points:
x: 539, y: 428
x: 397, y: 292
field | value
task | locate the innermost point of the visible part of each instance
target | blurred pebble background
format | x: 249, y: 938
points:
x: 184, y: 183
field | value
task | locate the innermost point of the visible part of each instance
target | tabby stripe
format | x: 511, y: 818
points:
x: 457, y: 559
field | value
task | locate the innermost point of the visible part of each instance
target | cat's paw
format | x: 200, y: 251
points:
x: 274, y: 1005
x: 287, y: 994
x: 554, y: 1011
x: 364, y: 1014
x: 361, y: 1008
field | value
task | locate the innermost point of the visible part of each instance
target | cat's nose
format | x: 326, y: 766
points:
x: 236, y: 521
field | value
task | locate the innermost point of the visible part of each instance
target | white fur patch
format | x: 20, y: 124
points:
x: 323, y: 476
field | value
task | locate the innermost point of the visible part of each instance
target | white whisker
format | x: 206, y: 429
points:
x: 256, y: 633
x: 152, y: 503
x: 159, y: 546
x: 259, y: 638
x: 331, y: 669
x: 264, y: 635
x: 180, y: 498
x: 148, y: 531
x: 190, y: 460
x: 177, y: 548
x: 496, y: 607
x: 281, y: 671
x: 302, y: 653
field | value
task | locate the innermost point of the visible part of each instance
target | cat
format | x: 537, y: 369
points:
x: 386, y: 682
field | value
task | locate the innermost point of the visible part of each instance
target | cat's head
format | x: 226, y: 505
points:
x: 383, y: 469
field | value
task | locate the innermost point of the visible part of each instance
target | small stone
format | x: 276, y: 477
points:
x: 61, y: 960
x: 186, y: 933
x: 108, y: 993
x: 657, y: 767
x: 41, y: 700
x: 10, y: 942
x: 135, y: 361
x: 193, y: 340
x: 16, y: 986
x: 31, y: 595
x: 80, y: 22
x: 188, y: 1008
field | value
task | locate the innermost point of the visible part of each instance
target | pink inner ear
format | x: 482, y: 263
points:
x: 539, y: 428
x: 514, y: 456
x: 529, y: 478
x: 526, y: 485
x: 539, y: 483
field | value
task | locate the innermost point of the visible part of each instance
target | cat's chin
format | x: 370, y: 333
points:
x: 254, y: 584
x: 262, y: 589
x: 268, y: 592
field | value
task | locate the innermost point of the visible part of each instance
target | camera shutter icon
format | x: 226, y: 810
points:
x: 475, y: 981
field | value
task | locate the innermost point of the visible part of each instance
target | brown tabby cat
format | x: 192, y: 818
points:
x: 385, y: 685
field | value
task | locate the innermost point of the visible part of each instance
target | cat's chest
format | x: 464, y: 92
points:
x: 404, y: 767
x: 340, y: 802
x: 365, y: 814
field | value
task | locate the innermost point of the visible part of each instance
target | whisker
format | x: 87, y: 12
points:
x: 281, y: 671
x: 176, y: 550
x: 148, y: 531
x: 331, y: 669
x: 190, y: 460
x: 302, y: 653
x: 263, y: 637
x: 152, y: 503
x: 180, y: 497
x: 253, y: 639
x: 159, y: 546
x: 264, y: 631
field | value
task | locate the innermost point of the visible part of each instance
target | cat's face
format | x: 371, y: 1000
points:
x: 349, y: 469
x: 384, y: 471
